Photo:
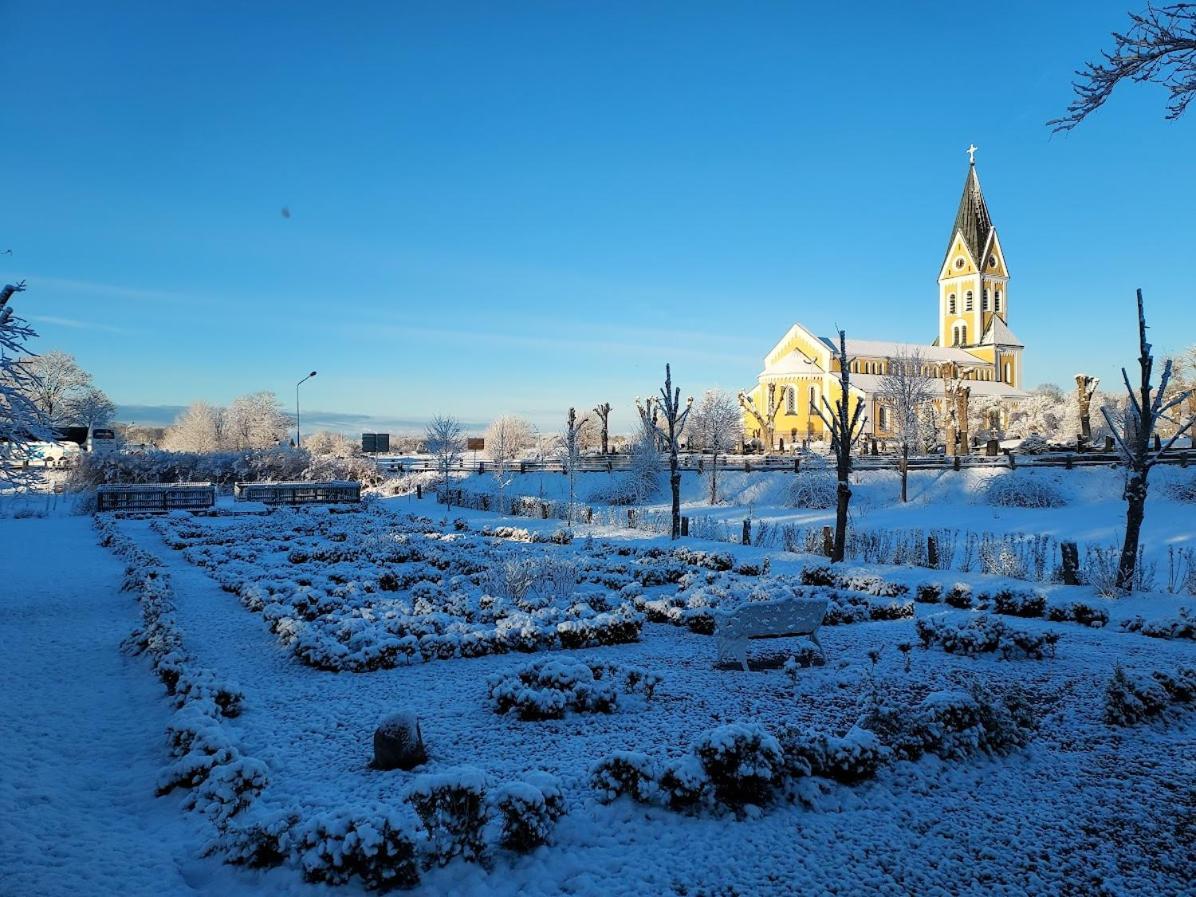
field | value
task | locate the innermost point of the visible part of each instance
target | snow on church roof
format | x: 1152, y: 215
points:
x: 794, y: 363
x: 870, y: 383
x: 999, y: 334
x: 875, y: 348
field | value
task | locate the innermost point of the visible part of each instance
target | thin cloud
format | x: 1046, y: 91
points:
x: 111, y: 290
x: 76, y: 324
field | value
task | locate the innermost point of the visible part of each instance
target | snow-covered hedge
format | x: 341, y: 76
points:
x: 814, y: 488
x: 1010, y: 490
x: 546, y: 689
x: 1182, y: 626
x: 377, y: 843
x: 1130, y: 700
x: 981, y: 635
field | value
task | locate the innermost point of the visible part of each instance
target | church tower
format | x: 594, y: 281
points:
x: 973, y: 286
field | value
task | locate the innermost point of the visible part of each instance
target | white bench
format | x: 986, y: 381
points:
x: 782, y: 618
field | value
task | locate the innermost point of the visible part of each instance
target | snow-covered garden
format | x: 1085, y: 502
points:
x: 960, y: 731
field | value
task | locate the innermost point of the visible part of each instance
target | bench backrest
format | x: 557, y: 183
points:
x: 788, y: 616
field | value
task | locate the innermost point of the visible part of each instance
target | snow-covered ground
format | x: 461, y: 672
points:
x: 1084, y: 808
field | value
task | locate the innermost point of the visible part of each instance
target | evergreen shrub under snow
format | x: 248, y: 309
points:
x: 1010, y: 490
x: 1130, y: 699
x: 546, y: 689
x: 981, y: 635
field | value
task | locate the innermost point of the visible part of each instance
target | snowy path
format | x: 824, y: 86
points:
x: 82, y: 741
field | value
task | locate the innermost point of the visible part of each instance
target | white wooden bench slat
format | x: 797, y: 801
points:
x: 766, y: 619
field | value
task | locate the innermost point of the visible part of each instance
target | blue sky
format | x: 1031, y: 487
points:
x: 517, y: 207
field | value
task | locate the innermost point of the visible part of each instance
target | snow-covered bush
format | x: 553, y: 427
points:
x: 1078, y: 612
x: 375, y: 842
x: 523, y: 814
x: 1009, y: 490
x: 1130, y: 700
x: 814, y: 487
x: 851, y: 758
x: 1018, y: 602
x: 625, y: 772
x: 1183, y: 489
x: 258, y: 843
x: 1034, y: 444
x: 1182, y: 626
x: 981, y: 635
x: 228, y: 789
x: 452, y: 807
x: 546, y: 689
x: 742, y: 761
x: 929, y: 593
x: 640, y: 483
x: 959, y: 595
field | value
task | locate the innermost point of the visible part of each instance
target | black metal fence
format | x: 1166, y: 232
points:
x: 155, y: 497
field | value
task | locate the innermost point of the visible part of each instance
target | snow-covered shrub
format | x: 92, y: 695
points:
x: 953, y: 724
x: 228, y: 789
x: 258, y: 843
x: 683, y: 783
x: 982, y: 635
x: 1130, y: 700
x: 640, y: 483
x: 814, y: 486
x: 959, y: 595
x: 819, y: 575
x: 625, y: 772
x: 1078, y: 612
x: 452, y: 807
x: 1183, y: 489
x: 929, y: 593
x: 851, y: 758
x: 742, y: 761
x: 1018, y: 602
x: 1010, y: 490
x: 1034, y: 444
x: 375, y: 842
x: 1183, y: 626
x: 523, y: 814
x: 546, y: 689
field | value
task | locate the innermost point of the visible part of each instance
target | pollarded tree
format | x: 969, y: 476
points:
x: 444, y: 439
x: 673, y: 425
x: 20, y: 419
x: 506, y: 438
x: 649, y: 412
x: 571, y: 440
x: 1085, y: 390
x: 198, y: 429
x: 765, y: 418
x: 1147, y: 408
x: 1159, y: 48
x: 906, y: 389
x: 716, y: 427
x: 845, y: 424
x: 602, y: 410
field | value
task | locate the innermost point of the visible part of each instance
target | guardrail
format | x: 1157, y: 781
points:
x: 788, y: 463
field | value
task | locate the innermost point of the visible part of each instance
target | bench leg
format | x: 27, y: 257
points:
x: 743, y: 646
x: 814, y: 639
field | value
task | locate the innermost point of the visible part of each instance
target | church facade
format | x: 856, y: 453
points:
x: 974, y: 353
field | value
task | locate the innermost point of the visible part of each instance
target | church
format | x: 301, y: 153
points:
x: 974, y: 356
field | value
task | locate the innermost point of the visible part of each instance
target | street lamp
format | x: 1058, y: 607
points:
x: 298, y: 443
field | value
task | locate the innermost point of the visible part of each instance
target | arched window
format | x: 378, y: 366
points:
x: 883, y: 417
x: 955, y: 335
x: 997, y: 300
x: 791, y: 400
x: 984, y: 300
x: 951, y: 304
x: 967, y: 301
x: 1008, y: 373
x: 963, y: 334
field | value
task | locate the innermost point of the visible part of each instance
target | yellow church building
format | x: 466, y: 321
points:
x: 974, y: 347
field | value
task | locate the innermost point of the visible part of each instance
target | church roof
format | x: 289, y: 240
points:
x: 972, y: 219
x: 871, y: 383
x: 793, y: 364
x: 999, y: 334
x: 876, y: 348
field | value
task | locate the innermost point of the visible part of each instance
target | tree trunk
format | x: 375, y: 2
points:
x: 1135, y: 511
x: 714, y: 480
x: 904, y: 472
x: 843, y: 497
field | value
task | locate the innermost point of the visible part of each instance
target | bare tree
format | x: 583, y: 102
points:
x: 56, y: 380
x: 506, y: 438
x: 1147, y: 407
x: 198, y: 429
x: 1085, y: 390
x: 716, y: 427
x: 20, y: 418
x: 957, y: 398
x: 649, y: 411
x: 906, y: 390
x: 672, y: 428
x: 1158, y: 48
x: 91, y: 408
x: 571, y: 439
x: 765, y: 419
x: 845, y: 426
x: 445, y: 441
x: 329, y: 444
x: 603, y: 412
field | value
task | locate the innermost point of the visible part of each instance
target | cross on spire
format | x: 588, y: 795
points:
x: 971, y: 151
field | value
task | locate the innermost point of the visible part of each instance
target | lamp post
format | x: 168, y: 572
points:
x: 298, y: 442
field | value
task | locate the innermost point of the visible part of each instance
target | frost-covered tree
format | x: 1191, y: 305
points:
x: 845, y: 424
x: 602, y: 410
x: 649, y: 412
x: 1085, y: 391
x: 906, y: 389
x: 1147, y: 407
x: 716, y: 427
x: 1042, y: 413
x: 255, y: 421
x: 20, y: 419
x: 57, y: 380
x: 332, y: 445
x: 198, y: 429
x: 672, y: 427
x: 571, y: 438
x: 507, y: 438
x: 91, y: 408
x: 765, y: 418
x: 1158, y: 48
x: 445, y: 442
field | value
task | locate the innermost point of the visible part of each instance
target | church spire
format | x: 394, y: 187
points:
x: 972, y: 220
